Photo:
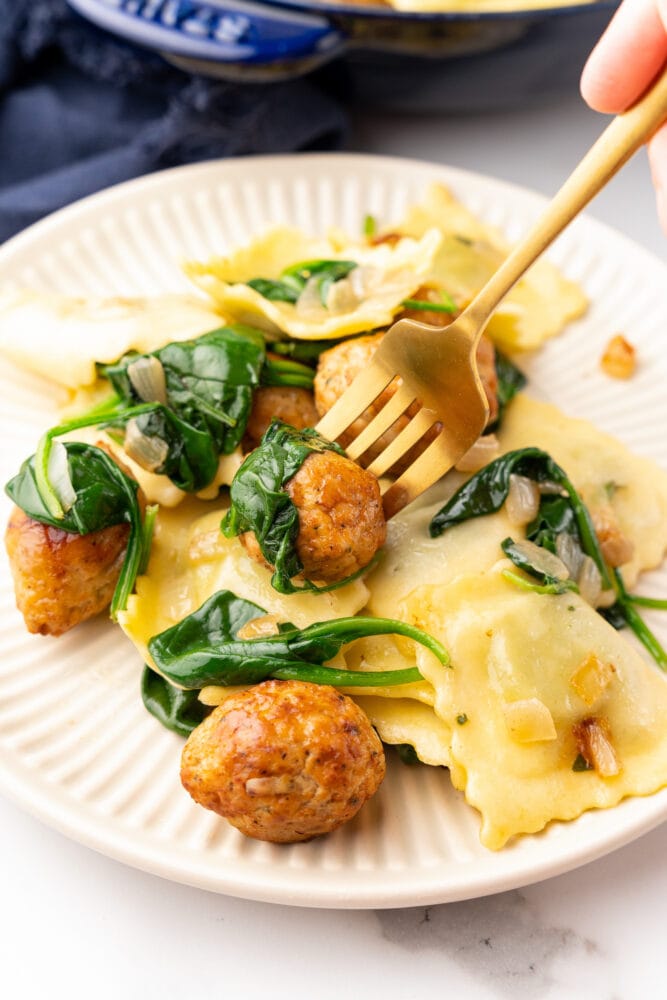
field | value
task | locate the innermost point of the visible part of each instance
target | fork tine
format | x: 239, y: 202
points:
x: 437, y: 459
x: 381, y: 422
x: 358, y: 396
x: 409, y: 436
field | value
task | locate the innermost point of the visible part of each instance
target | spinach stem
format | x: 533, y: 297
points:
x: 317, y: 674
x: 635, y: 621
x: 647, y: 602
x: 134, y: 554
x: 560, y: 587
x: 147, y: 531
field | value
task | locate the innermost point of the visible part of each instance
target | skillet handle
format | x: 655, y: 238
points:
x: 231, y: 31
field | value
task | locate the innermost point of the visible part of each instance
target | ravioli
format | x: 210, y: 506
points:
x: 385, y: 275
x: 61, y: 337
x: 539, y: 305
x: 508, y: 645
x: 606, y: 474
x: 191, y: 559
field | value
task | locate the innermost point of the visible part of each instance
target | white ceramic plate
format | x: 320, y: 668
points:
x: 76, y: 746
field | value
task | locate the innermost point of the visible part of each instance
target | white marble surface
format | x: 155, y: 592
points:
x: 73, y: 923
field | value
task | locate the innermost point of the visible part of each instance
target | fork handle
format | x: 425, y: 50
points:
x: 619, y: 141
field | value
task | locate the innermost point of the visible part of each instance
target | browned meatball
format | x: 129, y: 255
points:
x: 284, y: 761
x: 340, y: 365
x: 290, y: 404
x: 61, y: 578
x: 341, y: 520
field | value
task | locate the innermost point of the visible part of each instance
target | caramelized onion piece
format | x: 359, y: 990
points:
x: 594, y: 743
x: 619, y: 359
x: 592, y: 678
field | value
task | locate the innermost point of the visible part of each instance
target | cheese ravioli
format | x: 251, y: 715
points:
x: 383, y: 277
x: 539, y: 305
x: 510, y: 647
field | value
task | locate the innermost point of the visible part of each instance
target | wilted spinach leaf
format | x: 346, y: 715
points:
x: 177, y: 710
x: 209, y: 385
x: 204, y: 648
x: 510, y: 381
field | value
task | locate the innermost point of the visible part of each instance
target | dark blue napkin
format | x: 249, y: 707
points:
x: 80, y: 110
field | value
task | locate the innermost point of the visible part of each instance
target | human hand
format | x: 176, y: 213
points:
x: 628, y: 57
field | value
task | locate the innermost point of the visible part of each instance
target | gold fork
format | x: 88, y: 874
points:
x: 437, y: 367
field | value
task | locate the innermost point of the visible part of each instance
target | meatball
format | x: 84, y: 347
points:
x: 62, y: 578
x: 284, y: 760
x: 339, y: 366
x: 293, y: 405
x: 341, y: 520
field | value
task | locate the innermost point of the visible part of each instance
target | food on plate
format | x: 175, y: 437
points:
x: 284, y: 760
x: 288, y: 284
x: 62, y: 578
x: 491, y: 628
x: 34, y: 325
x: 619, y: 359
x: 303, y: 508
x: 77, y: 493
x: 291, y: 405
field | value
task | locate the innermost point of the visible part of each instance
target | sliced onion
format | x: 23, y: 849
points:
x: 592, y: 678
x: 341, y: 296
x: 148, y: 380
x: 484, y: 450
x: 148, y: 452
x: 570, y: 553
x: 361, y: 280
x: 550, y: 488
x: 593, y: 738
x: 543, y: 560
x: 59, y: 477
x: 589, y: 581
x: 310, y: 300
x: 523, y: 500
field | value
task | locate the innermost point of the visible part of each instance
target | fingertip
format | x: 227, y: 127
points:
x: 631, y: 52
x: 600, y: 87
